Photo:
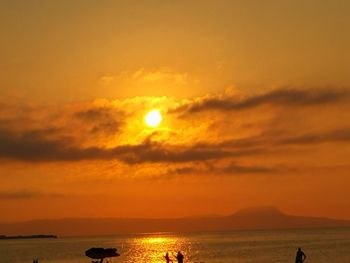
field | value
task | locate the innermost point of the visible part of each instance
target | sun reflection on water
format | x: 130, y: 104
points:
x: 161, y: 240
x: 153, y: 248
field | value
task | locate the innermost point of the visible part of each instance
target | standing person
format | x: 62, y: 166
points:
x: 180, y: 257
x: 167, y: 258
x: 300, y: 256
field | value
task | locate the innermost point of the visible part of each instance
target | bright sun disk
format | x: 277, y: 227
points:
x: 153, y: 118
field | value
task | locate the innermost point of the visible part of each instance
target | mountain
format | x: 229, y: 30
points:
x: 252, y: 218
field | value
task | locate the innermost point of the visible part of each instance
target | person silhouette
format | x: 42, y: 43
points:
x: 180, y: 257
x: 300, y: 256
x: 167, y: 258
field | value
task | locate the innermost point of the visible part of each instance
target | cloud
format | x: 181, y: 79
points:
x: 213, y: 168
x: 254, y: 169
x: 24, y: 194
x: 264, y: 141
x: 143, y: 76
x: 226, y: 142
x: 161, y: 75
x: 159, y: 81
x: 31, y: 146
x: 101, y: 120
x: 106, y: 80
x: 341, y: 135
x: 281, y: 97
x: 181, y: 154
x: 35, y: 147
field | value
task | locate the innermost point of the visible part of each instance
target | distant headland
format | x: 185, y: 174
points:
x: 250, y: 218
x: 27, y: 237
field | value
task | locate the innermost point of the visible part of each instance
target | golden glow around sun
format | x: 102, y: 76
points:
x: 153, y: 118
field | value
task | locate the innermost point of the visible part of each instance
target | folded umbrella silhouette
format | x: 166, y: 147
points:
x: 101, y: 253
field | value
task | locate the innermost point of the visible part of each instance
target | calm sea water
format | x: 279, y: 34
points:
x: 260, y: 246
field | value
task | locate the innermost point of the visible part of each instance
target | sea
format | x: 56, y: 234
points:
x: 321, y: 245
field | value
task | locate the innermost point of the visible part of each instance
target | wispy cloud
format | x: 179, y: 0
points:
x: 25, y: 194
x: 281, y: 97
x: 341, y: 135
x: 156, y: 81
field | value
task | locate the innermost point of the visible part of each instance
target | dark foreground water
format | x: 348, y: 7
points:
x: 260, y: 246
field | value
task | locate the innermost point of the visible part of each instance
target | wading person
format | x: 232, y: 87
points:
x: 300, y: 256
x: 167, y: 258
x: 180, y: 257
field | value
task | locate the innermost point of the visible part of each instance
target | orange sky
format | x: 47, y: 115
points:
x: 254, y: 96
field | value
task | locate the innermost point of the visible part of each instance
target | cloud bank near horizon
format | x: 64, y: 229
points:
x: 217, y: 128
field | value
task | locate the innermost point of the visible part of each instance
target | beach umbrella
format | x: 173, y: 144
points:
x: 101, y: 253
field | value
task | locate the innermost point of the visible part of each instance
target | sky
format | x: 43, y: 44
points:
x: 254, y: 98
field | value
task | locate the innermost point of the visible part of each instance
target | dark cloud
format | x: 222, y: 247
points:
x: 341, y: 135
x: 239, y: 169
x: 182, y: 154
x: 31, y: 147
x: 283, y: 97
x: 232, y: 169
x: 94, y: 114
x: 37, y: 146
x: 183, y: 170
x: 23, y: 194
x: 265, y: 141
x: 101, y: 120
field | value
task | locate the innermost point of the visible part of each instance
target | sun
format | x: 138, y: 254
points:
x: 153, y: 118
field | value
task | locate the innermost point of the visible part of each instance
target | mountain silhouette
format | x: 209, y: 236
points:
x: 251, y: 218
